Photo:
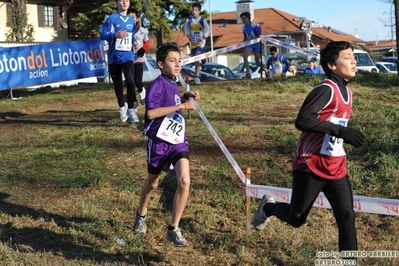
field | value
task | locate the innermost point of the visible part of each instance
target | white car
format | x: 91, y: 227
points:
x: 240, y: 70
x: 387, y: 67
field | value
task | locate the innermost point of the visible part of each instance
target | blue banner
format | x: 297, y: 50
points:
x: 30, y: 65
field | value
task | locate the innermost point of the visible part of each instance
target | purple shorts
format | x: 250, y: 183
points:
x: 160, y: 153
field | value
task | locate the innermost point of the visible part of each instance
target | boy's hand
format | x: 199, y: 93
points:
x: 353, y: 137
x: 192, y: 94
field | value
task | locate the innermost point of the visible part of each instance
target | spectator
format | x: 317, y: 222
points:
x: 312, y: 68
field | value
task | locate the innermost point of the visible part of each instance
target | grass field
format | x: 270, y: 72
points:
x: 71, y: 174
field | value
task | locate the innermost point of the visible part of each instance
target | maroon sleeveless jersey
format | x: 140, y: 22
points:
x: 322, y: 153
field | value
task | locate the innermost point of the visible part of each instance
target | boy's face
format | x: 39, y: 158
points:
x: 345, y: 65
x: 195, y: 11
x: 245, y: 20
x: 122, y: 5
x: 172, y: 65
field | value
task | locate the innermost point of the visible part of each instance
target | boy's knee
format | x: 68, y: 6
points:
x: 184, y: 182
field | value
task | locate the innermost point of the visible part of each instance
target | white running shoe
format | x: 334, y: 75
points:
x: 197, y: 81
x: 139, y: 225
x: 133, y: 118
x: 260, y: 218
x: 142, y: 96
x: 123, y: 113
x: 176, y: 237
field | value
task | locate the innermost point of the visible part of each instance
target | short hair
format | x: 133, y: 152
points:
x: 165, y: 49
x: 246, y: 14
x: 133, y: 10
x: 273, y: 49
x: 196, y: 5
x: 330, y: 53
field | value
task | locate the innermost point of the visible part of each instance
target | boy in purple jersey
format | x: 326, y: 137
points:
x: 320, y: 160
x: 167, y: 141
x: 118, y: 30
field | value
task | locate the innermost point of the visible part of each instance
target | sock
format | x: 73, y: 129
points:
x: 171, y: 227
x: 137, y: 213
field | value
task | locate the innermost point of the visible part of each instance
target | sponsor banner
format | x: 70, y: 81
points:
x: 30, y: 65
x: 360, y: 203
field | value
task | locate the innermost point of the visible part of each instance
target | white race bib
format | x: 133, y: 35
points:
x: 172, y: 129
x: 277, y: 69
x: 196, y: 36
x: 333, y: 146
x: 124, y: 44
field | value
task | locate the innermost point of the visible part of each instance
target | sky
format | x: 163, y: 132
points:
x: 364, y: 19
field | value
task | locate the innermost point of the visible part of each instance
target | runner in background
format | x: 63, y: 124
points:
x: 279, y: 64
x: 139, y: 54
x: 197, y: 30
x: 118, y: 30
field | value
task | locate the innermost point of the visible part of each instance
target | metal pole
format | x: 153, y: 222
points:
x: 210, y: 27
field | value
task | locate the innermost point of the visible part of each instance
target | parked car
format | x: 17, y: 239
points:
x: 364, y: 61
x: 256, y: 70
x: 150, y: 71
x: 208, y: 72
x: 387, y: 67
x: 393, y: 59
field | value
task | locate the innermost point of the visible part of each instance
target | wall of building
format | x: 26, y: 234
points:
x: 41, y: 34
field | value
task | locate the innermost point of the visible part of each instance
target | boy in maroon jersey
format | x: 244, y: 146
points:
x: 320, y: 160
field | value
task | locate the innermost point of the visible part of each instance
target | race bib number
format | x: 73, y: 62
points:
x: 333, y: 146
x: 196, y: 36
x: 172, y: 129
x: 124, y: 44
x: 277, y: 69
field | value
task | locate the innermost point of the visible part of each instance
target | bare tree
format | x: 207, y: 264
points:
x: 20, y: 30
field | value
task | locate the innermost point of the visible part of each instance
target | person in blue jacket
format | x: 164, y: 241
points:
x: 251, y: 31
x: 118, y: 29
x: 313, y: 69
x: 278, y: 63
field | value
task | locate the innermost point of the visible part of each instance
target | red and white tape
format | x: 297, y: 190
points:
x: 360, y: 203
x: 244, y: 44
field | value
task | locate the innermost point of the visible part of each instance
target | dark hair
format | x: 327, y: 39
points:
x: 330, y: 53
x: 133, y: 10
x: 273, y: 49
x: 246, y: 14
x: 196, y: 5
x: 165, y: 49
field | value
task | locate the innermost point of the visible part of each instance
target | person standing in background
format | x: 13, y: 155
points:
x: 279, y: 64
x: 118, y: 30
x: 139, y: 54
x: 312, y: 68
x: 197, y: 30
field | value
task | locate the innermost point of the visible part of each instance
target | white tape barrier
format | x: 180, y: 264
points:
x: 360, y: 203
x: 291, y: 47
x: 226, y: 152
x: 245, y: 44
x: 218, y: 51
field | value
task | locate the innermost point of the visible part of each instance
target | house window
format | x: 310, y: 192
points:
x: 48, y: 15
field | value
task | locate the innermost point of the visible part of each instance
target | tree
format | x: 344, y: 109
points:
x: 161, y: 18
x: 20, y: 30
